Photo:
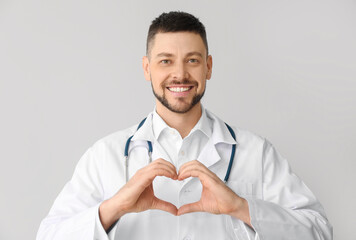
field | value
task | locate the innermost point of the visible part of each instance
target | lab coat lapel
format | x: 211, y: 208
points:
x: 209, y: 155
x: 220, y: 134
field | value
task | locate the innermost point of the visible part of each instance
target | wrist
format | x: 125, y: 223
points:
x: 109, y: 213
x: 242, y: 211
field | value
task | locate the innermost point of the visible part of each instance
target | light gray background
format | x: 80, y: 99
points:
x: 70, y: 74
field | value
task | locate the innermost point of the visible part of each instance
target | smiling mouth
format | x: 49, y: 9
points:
x: 179, y: 89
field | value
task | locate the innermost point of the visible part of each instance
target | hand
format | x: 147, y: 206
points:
x: 137, y: 194
x: 216, y: 198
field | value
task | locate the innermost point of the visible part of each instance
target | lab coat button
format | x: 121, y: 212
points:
x: 187, y: 238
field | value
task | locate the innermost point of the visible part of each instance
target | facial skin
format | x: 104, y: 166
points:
x: 177, y: 61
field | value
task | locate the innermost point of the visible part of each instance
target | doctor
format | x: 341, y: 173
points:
x: 171, y: 185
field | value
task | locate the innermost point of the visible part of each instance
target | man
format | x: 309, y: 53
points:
x: 118, y: 192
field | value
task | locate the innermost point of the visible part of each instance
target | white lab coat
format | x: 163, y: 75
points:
x: 281, y: 206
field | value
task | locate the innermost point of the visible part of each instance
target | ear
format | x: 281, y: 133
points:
x: 146, y: 68
x: 209, y: 64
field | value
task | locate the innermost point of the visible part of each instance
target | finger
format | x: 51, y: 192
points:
x: 196, y: 171
x: 161, y: 163
x: 191, y: 173
x: 159, y: 171
x: 165, y: 162
x: 195, y: 165
x: 158, y: 164
x: 190, y: 163
x: 164, y: 206
x: 188, y: 208
x: 203, y: 177
x: 198, y: 166
x: 143, y: 179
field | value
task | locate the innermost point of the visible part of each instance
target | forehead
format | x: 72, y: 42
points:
x: 177, y: 42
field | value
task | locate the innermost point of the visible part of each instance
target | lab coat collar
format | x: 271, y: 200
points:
x: 220, y: 132
x: 145, y: 132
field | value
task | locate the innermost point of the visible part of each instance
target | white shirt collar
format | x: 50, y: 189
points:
x: 204, y: 124
x: 210, y: 125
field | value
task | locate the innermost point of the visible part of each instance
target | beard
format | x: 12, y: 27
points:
x: 178, y: 109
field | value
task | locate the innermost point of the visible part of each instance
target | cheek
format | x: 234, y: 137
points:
x: 159, y: 75
x: 199, y: 72
x: 199, y: 75
x: 157, y: 80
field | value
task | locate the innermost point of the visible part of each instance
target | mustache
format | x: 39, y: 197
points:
x: 179, y: 82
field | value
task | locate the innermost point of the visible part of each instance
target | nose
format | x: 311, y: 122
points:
x: 179, y: 72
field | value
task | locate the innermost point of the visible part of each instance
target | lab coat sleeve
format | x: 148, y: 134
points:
x: 75, y: 212
x: 288, y: 209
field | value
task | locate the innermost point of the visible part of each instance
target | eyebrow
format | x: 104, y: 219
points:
x: 195, y: 53
x: 165, y: 54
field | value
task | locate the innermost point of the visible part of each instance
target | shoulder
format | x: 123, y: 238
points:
x: 115, y: 141
x: 244, y: 137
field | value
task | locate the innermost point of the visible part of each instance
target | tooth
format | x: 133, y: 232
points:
x: 179, y: 89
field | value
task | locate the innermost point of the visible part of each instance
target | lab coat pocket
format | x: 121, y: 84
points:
x: 243, y: 189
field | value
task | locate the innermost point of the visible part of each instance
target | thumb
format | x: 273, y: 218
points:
x: 164, y: 206
x: 188, y: 208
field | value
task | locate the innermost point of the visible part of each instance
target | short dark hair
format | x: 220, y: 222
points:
x: 176, y: 21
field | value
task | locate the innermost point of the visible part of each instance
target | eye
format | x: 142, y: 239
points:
x: 193, y: 60
x: 165, y: 61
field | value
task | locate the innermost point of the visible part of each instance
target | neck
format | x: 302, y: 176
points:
x: 182, y: 122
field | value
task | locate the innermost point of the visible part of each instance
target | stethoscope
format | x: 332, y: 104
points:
x: 149, y: 143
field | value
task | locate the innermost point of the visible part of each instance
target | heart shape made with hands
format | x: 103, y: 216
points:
x: 139, y: 193
x: 177, y: 192
x: 209, y: 195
